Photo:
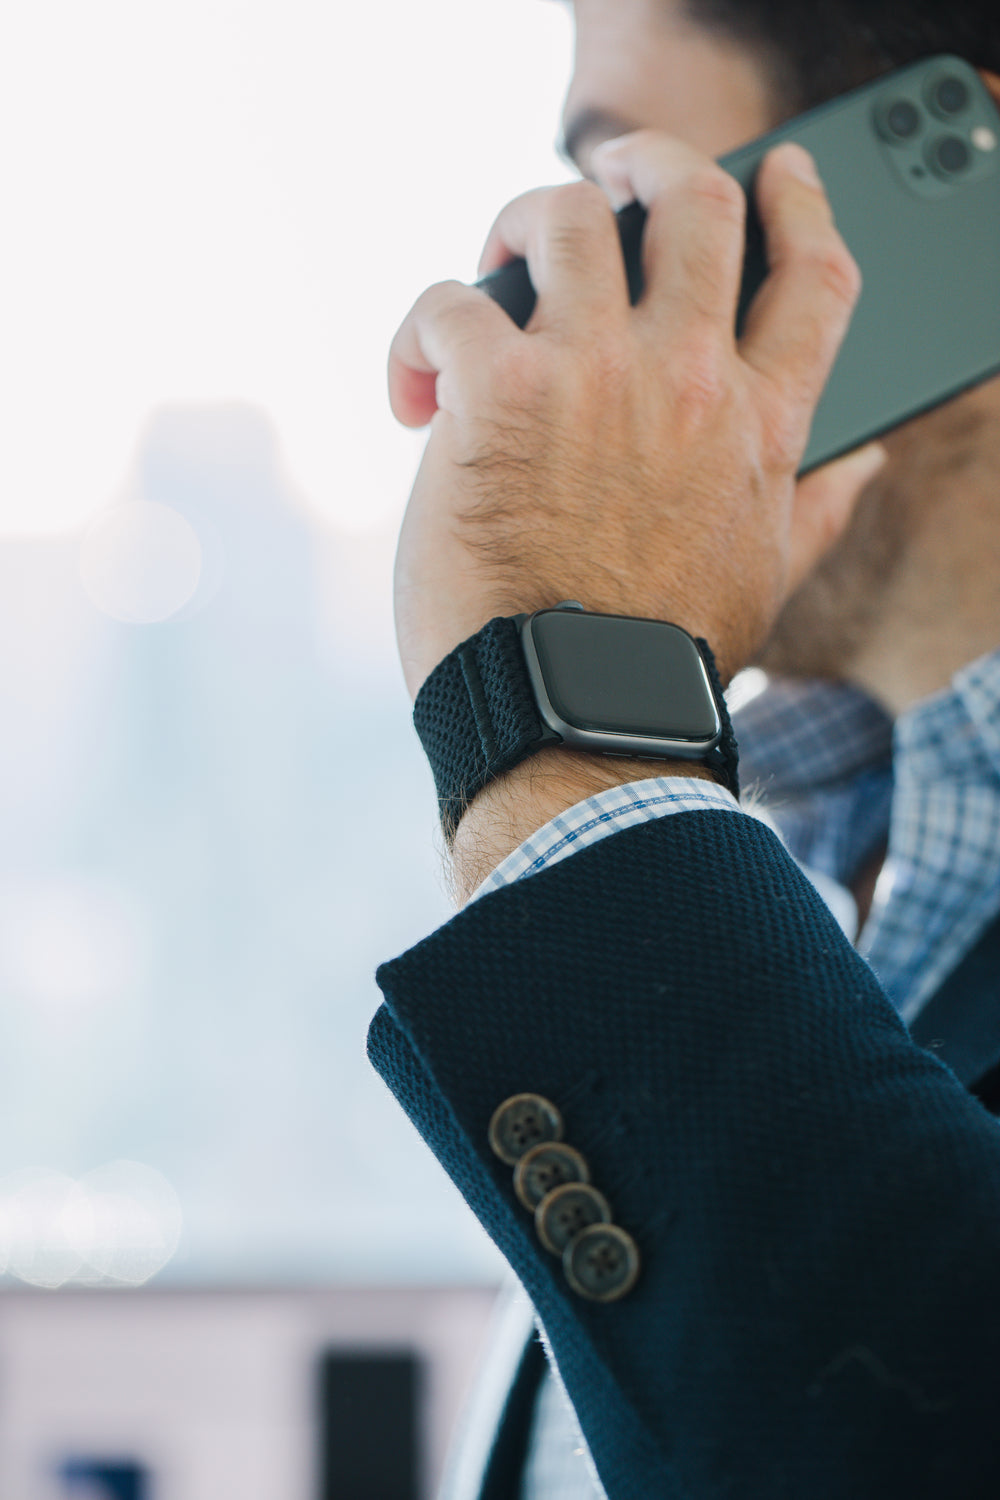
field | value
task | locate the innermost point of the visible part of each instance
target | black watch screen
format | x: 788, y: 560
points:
x: 609, y: 675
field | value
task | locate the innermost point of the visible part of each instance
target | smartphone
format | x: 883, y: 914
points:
x: 911, y: 165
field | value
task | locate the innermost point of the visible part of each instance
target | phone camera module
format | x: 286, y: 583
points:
x: 932, y: 125
x: 899, y: 120
x: 949, y: 97
x: 948, y: 156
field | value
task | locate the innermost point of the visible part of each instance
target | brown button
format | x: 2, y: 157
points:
x: 602, y: 1263
x: 546, y: 1167
x: 523, y: 1121
x: 567, y: 1211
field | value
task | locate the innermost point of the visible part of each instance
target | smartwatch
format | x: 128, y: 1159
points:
x: 609, y: 684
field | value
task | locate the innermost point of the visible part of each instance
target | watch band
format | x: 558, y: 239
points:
x: 476, y: 717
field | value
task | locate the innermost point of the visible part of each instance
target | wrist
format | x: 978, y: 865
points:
x: 618, y: 691
x: 510, y: 808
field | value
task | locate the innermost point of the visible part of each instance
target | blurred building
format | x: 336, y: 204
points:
x: 214, y: 826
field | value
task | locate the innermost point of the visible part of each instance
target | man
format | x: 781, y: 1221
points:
x: 796, y: 1293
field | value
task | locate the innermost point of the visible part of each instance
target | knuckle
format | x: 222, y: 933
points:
x: 576, y: 219
x: 443, y: 294
x: 712, y: 186
x: 609, y: 367
x: 461, y: 324
x: 781, y: 440
x: 584, y: 197
x: 700, y: 385
x: 703, y: 261
x: 837, y: 270
x: 576, y: 207
x: 456, y: 313
x: 445, y: 304
x: 570, y: 248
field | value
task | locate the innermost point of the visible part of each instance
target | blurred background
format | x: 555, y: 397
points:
x: 215, y: 819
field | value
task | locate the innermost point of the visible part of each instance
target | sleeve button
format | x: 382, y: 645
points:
x: 521, y: 1122
x: 567, y: 1211
x: 602, y: 1263
x: 546, y: 1167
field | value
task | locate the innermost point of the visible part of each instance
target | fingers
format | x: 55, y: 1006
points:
x: 692, y: 243
x: 692, y: 255
x: 447, y: 322
x: 569, y: 237
x: 798, y: 320
x: 694, y: 235
x: 824, y: 503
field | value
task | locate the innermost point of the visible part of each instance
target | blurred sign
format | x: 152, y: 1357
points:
x: 368, y: 1425
x: 104, y: 1479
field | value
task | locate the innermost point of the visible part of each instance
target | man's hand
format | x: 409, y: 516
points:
x: 638, y: 459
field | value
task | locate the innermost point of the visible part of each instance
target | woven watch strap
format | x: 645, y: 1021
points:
x: 476, y: 717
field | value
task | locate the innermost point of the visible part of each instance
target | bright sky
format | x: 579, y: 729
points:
x: 211, y: 200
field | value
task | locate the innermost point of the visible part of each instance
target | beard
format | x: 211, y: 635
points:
x: 897, y: 566
x: 825, y: 623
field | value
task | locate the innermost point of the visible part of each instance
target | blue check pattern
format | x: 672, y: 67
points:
x: 940, y: 885
x: 840, y: 782
x: 606, y: 812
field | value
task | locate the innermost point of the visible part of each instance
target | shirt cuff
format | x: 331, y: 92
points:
x: 606, y: 812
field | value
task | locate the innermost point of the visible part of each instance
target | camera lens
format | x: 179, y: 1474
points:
x: 949, y: 155
x: 902, y: 120
x: 949, y: 97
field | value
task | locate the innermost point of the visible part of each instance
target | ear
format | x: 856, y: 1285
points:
x: 992, y: 82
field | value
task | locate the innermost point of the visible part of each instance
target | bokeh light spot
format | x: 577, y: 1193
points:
x: 38, y: 1248
x: 119, y: 1223
x: 125, y: 1221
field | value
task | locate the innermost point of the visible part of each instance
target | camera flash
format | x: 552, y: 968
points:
x: 984, y: 139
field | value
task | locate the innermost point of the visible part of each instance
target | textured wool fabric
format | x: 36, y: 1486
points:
x: 816, y: 1199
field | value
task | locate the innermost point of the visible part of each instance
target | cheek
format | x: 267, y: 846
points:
x: 642, y: 61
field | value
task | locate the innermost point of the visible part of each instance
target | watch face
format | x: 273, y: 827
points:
x: 614, y: 675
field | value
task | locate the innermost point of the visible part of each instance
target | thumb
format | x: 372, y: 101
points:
x: 824, y: 503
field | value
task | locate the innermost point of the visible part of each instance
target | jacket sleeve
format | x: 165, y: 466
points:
x: 816, y: 1199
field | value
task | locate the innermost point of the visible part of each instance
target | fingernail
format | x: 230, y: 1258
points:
x: 617, y: 197
x: 610, y: 174
x: 609, y: 147
x: 798, y: 161
x: 870, y: 459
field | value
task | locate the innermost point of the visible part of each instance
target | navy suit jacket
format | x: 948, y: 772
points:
x: 815, y: 1194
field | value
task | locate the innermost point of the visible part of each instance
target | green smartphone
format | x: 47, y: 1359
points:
x: 911, y: 165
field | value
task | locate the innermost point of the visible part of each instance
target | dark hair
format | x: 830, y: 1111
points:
x: 815, y: 52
